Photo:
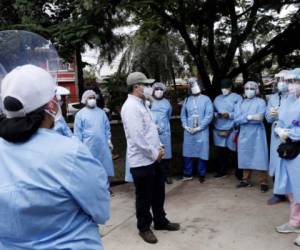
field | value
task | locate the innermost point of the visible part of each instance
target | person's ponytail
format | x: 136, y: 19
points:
x: 20, y: 129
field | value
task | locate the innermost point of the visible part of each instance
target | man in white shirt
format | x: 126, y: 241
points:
x: 144, y: 153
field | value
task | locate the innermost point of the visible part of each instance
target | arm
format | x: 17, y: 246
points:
x: 239, y: 117
x: 88, y: 185
x: 183, y: 114
x: 294, y: 132
x: 66, y: 130
x: 237, y: 103
x: 260, y: 114
x: 209, y: 111
x: 107, y: 127
x: 170, y: 111
x: 216, y: 112
x: 270, y: 116
x: 78, y: 127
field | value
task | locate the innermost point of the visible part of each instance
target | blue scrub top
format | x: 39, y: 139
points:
x: 91, y: 126
x: 53, y: 194
x: 162, y: 111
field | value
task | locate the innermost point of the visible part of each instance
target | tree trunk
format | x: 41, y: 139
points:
x: 79, y: 72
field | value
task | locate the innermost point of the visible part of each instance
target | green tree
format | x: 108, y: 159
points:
x: 215, y: 31
x: 154, y: 52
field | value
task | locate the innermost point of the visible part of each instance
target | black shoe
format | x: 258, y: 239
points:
x: 169, y: 180
x: 148, y: 236
x: 244, y: 184
x: 169, y: 227
x: 220, y: 175
x: 202, y: 179
x: 264, y: 188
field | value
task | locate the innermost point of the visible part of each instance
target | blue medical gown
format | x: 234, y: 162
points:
x: 196, y: 145
x: 62, y: 127
x: 162, y: 111
x: 225, y: 104
x: 53, y: 193
x: 92, y: 127
x: 289, y: 117
x: 275, y: 101
x: 252, y: 145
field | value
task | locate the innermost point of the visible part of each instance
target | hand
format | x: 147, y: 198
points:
x: 188, y: 129
x: 161, y: 154
x: 195, y: 130
x: 249, y: 117
x: 111, y: 146
x: 225, y: 115
x: 283, y: 133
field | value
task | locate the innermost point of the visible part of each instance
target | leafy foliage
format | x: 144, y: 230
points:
x: 219, y: 33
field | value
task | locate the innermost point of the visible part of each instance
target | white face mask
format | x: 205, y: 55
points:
x: 249, y: 93
x: 294, y: 89
x: 282, y: 87
x: 158, y: 94
x: 195, y: 89
x: 225, y: 91
x: 147, y: 92
x: 91, y: 103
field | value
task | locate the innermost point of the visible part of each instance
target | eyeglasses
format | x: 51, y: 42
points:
x: 249, y: 88
x: 158, y: 88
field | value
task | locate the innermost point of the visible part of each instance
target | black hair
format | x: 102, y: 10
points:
x: 19, y: 129
x: 130, y: 89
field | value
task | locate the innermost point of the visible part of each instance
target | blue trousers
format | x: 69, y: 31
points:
x: 188, y: 166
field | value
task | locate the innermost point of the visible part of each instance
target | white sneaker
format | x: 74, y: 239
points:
x: 187, y: 178
x: 297, y: 241
x: 286, y: 228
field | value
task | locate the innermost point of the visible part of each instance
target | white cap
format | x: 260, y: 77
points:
x: 159, y: 85
x: 138, y: 78
x: 87, y: 94
x: 32, y: 86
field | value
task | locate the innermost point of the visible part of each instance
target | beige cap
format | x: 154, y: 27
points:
x: 138, y: 78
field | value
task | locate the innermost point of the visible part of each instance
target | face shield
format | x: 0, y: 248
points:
x: 19, y: 48
x: 251, y: 89
x: 294, y: 82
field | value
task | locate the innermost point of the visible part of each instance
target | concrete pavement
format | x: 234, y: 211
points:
x: 214, y: 215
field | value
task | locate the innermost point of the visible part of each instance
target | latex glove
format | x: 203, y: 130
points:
x: 195, y: 130
x: 256, y: 117
x: 111, y: 146
x: 188, y: 129
x: 283, y: 133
